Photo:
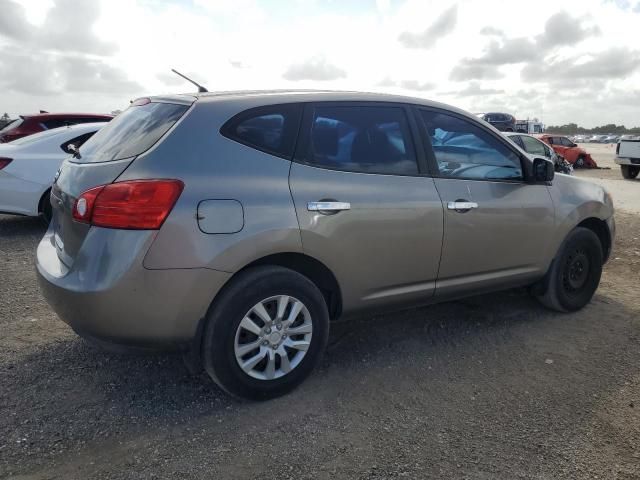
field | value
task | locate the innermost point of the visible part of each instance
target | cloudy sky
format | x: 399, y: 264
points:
x: 562, y: 61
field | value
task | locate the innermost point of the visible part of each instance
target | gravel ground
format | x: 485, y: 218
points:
x: 493, y: 387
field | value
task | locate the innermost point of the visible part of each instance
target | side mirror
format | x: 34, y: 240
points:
x: 543, y: 170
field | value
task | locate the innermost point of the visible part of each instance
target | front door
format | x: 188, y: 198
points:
x: 497, y: 227
x: 364, y: 207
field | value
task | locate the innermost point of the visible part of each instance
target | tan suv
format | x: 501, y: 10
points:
x: 238, y: 225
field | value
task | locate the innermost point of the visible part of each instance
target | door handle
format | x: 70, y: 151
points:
x: 461, y: 206
x: 333, y: 207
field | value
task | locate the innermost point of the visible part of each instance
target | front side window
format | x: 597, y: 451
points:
x: 565, y: 142
x: 363, y: 139
x: 269, y: 129
x: 534, y: 147
x: 463, y: 149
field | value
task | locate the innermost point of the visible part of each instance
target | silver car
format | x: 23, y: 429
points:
x: 538, y: 148
x: 237, y: 226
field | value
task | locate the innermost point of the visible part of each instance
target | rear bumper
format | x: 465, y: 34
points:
x: 109, y: 297
x: 627, y: 161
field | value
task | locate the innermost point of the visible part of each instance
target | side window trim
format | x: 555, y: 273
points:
x: 227, y: 129
x: 504, y: 141
x: 303, y: 146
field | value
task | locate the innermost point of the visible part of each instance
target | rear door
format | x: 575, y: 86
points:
x: 497, y: 228
x: 365, y: 206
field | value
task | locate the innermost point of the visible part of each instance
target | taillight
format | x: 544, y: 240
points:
x: 4, y: 162
x: 137, y: 204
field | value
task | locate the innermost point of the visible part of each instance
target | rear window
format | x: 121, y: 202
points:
x: 11, y: 125
x: 132, y: 132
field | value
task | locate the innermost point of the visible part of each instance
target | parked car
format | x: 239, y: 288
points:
x: 536, y: 147
x: 611, y: 139
x: 502, y: 121
x: 628, y: 157
x: 30, y: 124
x: 575, y: 155
x: 29, y: 164
x: 238, y: 225
x: 596, y: 139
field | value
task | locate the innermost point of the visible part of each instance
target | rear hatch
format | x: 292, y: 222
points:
x: 103, y: 158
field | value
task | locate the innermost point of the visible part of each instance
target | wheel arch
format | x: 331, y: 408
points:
x: 601, y: 229
x: 43, y: 198
x: 313, y: 269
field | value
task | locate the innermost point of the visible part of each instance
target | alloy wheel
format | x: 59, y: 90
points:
x: 273, y: 337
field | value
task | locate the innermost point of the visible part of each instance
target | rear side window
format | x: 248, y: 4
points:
x: 78, y: 141
x: 132, y: 132
x: 271, y: 129
x: 362, y: 139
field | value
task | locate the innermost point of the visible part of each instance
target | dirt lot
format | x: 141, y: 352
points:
x: 490, y: 387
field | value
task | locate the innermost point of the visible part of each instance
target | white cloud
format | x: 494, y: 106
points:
x: 476, y: 55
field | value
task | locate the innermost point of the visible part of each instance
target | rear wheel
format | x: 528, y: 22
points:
x: 575, y: 273
x: 629, y: 172
x: 265, y: 333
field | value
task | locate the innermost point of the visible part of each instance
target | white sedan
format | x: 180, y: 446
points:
x: 29, y: 164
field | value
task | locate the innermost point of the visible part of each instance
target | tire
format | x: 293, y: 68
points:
x: 224, y: 334
x: 575, y: 272
x: 629, y: 172
x: 45, y: 207
x: 579, y: 162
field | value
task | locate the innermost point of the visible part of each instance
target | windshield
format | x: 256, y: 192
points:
x: 132, y: 132
x: 11, y: 125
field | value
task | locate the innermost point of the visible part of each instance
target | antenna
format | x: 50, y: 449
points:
x: 201, y: 89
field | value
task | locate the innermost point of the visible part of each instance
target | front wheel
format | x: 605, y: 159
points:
x: 579, y: 162
x: 265, y: 333
x: 575, y: 273
x: 629, y: 172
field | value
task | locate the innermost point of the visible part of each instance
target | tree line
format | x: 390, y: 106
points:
x: 573, y: 128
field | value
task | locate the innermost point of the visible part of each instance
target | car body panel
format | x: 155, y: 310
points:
x: 33, y: 168
x: 110, y: 296
x: 576, y: 200
x: 386, y: 248
x: 505, y: 240
x: 212, y: 170
x: 628, y: 152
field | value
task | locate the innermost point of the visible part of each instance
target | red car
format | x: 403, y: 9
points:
x: 575, y: 155
x: 30, y: 124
